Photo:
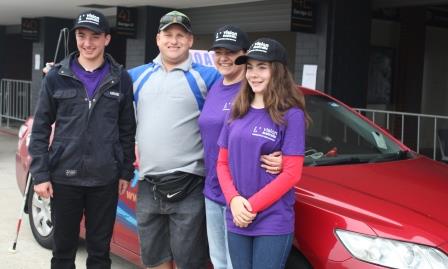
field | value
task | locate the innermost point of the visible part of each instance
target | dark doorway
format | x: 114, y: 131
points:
x: 18, y: 57
x: 117, y: 48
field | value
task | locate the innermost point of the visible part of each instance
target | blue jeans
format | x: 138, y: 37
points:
x: 259, y: 252
x: 217, y: 234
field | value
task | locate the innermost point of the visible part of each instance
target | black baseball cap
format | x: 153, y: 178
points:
x: 92, y: 20
x: 175, y: 17
x: 230, y: 37
x: 264, y: 49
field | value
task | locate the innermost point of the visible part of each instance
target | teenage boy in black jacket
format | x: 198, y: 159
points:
x: 88, y: 97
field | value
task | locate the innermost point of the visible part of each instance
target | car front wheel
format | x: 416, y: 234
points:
x: 39, y: 213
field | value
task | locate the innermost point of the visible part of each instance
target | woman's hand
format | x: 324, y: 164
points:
x: 241, y: 211
x: 272, y: 162
x: 47, y: 67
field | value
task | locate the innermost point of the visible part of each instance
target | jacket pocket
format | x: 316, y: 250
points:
x: 66, y: 158
x: 67, y: 101
x: 56, y: 151
x: 101, y: 161
x: 110, y: 103
x: 65, y: 94
x: 118, y: 154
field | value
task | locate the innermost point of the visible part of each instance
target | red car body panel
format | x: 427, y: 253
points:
x: 403, y: 200
x: 383, y: 199
x: 22, y: 157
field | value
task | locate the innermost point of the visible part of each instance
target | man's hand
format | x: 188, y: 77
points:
x: 272, y: 162
x: 44, y: 190
x: 122, y: 186
x: 241, y: 211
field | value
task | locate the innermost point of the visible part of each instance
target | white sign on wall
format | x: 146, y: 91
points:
x: 36, y: 61
x: 309, y: 76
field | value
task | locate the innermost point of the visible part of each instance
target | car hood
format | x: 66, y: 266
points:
x: 404, y: 199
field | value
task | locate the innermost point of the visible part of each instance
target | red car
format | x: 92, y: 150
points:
x: 365, y: 200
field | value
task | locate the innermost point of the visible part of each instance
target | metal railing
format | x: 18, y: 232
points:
x: 417, y: 131
x: 15, y: 102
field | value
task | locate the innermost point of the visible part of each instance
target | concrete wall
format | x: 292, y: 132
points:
x: 307, y: 52
x: 36, y: 75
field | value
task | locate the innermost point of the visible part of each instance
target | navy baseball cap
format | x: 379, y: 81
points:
x: 266, y: 50
x: 92, y: 20
x: 230, y: 37
x: 175, y: 17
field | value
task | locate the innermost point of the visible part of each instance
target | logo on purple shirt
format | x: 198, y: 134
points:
x: 264, y: 132
x: 227, y: 106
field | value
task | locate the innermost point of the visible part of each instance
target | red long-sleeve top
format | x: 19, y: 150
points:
x: 270, y: 193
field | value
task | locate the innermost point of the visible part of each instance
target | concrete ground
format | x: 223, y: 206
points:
x: 29, y: 254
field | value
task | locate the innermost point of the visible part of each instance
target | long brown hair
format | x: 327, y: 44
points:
x: 281, y: 94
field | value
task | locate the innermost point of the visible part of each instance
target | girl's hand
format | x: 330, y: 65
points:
x: 241, y: 211
x: 272, y: 162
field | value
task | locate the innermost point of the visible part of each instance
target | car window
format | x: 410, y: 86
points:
x: 339, y: 136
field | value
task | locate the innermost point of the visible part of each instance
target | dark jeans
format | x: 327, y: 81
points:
x: 172, y: 230
x: 99, y: 205
x: 259, y: 252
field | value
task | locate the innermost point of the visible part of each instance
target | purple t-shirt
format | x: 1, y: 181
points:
x: 211, y: 120
x: 91, y: 80
x: 246, y: 140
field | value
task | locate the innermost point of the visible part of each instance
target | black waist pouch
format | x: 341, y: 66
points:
x: 174, y: 187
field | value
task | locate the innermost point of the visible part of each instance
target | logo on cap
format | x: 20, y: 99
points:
x: 226, y: 35
x: 260, y: 47
x: 89, y: 18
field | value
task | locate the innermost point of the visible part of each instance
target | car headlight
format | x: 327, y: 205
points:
x: 392, y: 253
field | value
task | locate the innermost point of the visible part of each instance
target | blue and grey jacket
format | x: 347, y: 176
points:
x: 94, y: 140
x: 168, y: 103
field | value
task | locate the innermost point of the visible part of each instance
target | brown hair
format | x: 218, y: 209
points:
x: 281, y: 94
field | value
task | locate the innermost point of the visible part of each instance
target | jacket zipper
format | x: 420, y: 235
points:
x: 91, y: 105
x: 101, y: 89
x: 98, y: 93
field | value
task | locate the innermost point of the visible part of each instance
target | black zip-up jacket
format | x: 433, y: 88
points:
x: 94, y: 140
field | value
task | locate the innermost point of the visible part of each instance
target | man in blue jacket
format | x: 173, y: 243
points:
x: 88, y: 97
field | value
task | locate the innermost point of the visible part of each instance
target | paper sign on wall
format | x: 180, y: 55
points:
x: 36, y: 61
x: 309, y: 76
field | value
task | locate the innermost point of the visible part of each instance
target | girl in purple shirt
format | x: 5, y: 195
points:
x: 230, y: 42
x: 267, y: 115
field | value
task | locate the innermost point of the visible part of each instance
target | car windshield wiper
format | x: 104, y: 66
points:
x: 356, y: 159
x: 394, y: 156
x: 336, y: 160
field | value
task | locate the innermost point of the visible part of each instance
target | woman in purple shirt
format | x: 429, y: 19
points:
x: 267, y: 115
x: 230, y: 43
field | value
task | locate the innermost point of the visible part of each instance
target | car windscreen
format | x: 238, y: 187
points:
x: 339, y: 136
